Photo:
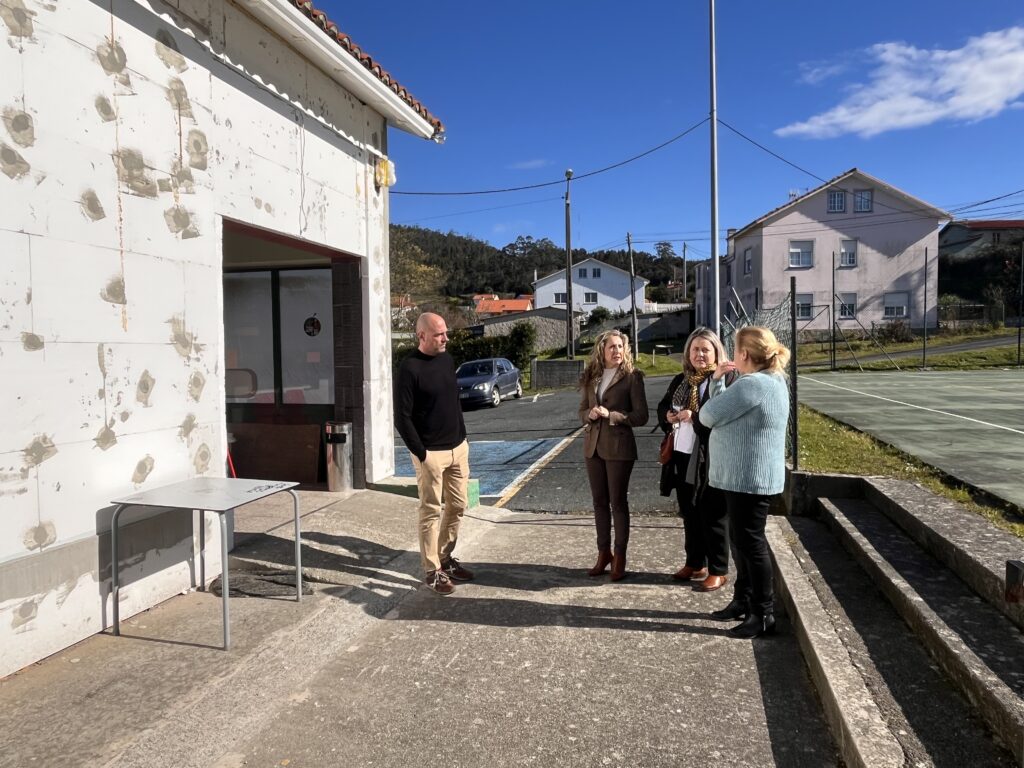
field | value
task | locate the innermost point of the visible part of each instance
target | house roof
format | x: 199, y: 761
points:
x: 919, y: 206
x: 603, y: 264
x: 557, y: 313
x: 504, y: 305
x: 347, y: 44
x: 988, y: 223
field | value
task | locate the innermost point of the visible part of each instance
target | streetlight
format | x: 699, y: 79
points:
x: 570, y: 342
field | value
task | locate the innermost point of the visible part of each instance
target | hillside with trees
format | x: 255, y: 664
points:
x: 428, y: 263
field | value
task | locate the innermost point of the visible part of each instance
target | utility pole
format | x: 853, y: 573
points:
x: 632, y: 292
x: 1020, y: 301
x: 570, y: 331
x: 924, y: 347
x: 714, y: 178
x: 685, y: 295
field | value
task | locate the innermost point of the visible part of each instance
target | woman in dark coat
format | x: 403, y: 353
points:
x: 612, y: 403
x: 705, y: 526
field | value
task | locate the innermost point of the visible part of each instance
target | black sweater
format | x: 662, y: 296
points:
x: 427, y: 411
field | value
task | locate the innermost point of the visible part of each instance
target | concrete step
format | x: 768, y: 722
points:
x: 967, y: 544
x: 871, y: 671
x: 978, y: 647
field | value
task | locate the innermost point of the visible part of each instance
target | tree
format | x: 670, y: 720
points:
x: 664, y: 250
x: 410, y: 273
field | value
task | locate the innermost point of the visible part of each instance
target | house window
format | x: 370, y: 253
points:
x: 804, y: 304
x: 995, y: 238
x: 836, y: 201
x: 696, y: 279
x: 801, y: 253
x: 897, y: 305
x: 595, y: 272
x: 582, y: 272
x: 559, y: 298
x: 847, y: 306
x: 862, y: 199
x: 590, y: 297
x: 848, y: 253
x: 728, y: 274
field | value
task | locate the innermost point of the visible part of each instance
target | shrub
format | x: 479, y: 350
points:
x: 894, y: 332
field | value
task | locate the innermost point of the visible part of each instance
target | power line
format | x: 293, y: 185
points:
x: 607, y: 168
x: 923, y: 212
x: 478, y: 210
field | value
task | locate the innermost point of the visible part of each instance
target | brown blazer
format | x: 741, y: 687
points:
x: 612, y: 438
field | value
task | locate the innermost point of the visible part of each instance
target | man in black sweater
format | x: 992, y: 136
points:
x: 429, y: 419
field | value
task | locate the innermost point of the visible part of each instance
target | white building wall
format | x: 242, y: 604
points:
x: 612, y: 289
x: 890, y: 258
x: 130, y: 131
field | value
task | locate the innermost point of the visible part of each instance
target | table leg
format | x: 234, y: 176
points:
x: 224, y: 585
x: 298, y: 548
x: 114, y: 580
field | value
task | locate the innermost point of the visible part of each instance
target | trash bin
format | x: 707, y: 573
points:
x: 339, y: 455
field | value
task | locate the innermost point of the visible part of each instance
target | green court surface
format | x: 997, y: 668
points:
x: 969, y: 424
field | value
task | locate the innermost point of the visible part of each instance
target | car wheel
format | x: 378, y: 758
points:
x: 495, y: 396
x: 519, y: 389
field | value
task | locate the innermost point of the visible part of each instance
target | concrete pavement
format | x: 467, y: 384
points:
x: 531, y: 664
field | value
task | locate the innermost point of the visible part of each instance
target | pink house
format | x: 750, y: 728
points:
x: 856, y: 232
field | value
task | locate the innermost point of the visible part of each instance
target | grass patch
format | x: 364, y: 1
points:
x: 975, y: 359
x: 829, y: 446
x: 819, y: 350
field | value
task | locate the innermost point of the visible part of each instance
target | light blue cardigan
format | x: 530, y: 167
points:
x: 748, y: 436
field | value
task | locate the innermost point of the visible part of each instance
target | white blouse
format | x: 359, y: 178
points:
x: 606, y: 379
x: 685, y: 438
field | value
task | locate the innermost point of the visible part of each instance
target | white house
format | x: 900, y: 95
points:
x: 594, y: 284
x: 876, y: 244
x: 194, y: 229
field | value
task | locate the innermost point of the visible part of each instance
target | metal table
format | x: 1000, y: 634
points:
x: 221, y: 495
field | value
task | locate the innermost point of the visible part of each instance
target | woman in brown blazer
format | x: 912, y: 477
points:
x: 613, y: 402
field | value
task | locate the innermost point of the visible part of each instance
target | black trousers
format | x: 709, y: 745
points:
x: 705, y: 523
x: 748, y: 514
x: 609, y: 487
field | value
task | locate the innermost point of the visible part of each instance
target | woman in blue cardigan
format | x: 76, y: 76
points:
x: 748, y: 450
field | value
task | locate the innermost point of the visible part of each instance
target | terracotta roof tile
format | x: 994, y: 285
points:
x: 320, y: 19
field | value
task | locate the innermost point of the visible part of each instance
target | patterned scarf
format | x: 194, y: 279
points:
x: 693, y: 380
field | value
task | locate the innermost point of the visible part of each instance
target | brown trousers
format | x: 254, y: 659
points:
x: 609, y: 487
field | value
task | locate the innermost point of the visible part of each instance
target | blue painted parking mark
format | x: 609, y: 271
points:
x: 496, y: 464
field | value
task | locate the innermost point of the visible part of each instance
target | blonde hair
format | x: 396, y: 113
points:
x: 764, y: 349
x: 595, y: 365
x: 709, y: 335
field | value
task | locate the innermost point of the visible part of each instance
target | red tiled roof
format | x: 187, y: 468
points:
x: 348, y: 44
x: 991, y: 223
x: 495, y: 306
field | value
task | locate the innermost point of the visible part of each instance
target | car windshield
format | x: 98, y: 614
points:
x: 477, y: 368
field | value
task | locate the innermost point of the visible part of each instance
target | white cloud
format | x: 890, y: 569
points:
x: 528, y: 165
x: 815, y: 72
x: 912, y: 87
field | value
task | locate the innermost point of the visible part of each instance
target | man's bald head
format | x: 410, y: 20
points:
x: 432, y: 333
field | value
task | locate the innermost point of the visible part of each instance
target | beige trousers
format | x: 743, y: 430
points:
x: 442, y: 475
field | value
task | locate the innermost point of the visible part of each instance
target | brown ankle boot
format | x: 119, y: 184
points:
x: 604, y: 557
x: 618, y: 567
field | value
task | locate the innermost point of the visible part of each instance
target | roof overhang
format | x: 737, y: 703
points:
x: 290, y: 23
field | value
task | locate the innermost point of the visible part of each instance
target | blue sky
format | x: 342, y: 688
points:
x: 927, y: 96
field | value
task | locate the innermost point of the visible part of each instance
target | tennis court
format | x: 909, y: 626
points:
x: 969, y: 424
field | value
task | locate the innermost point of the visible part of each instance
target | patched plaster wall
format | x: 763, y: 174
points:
x: 130, y: 129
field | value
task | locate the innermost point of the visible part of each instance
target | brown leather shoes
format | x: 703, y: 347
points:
x: 618, y: 567
x: 686, y: 573
x: 604, y: 559
x: 711, y: 583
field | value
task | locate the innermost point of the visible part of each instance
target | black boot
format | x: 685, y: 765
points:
x: 755, y: 625
x: 736, y: 610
